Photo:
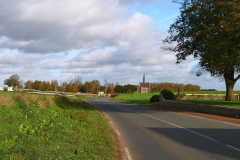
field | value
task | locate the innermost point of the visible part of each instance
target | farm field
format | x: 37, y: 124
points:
x: 47, y: 127
x: 138, y: 99
x: 208, y: 92
x: 144, y: 99
x: 235, y: 104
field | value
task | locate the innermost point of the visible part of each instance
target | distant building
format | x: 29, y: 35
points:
x: 143, y: 86
x: 10, y: 89
x: 1, y: 88
x: 100, y: 93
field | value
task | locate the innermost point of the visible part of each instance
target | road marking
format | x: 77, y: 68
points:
x: 210, y: 119
x: 128, y: 154
x: 233, y: 148
x: 180, y: 127
x: 97, y: 100
x: 118, y: 132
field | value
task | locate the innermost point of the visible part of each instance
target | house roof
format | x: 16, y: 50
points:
x: 144, y: 84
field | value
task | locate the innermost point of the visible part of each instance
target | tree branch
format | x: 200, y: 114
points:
x: 238, y: 77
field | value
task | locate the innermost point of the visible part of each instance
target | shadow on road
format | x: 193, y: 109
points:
x: 189, y: 139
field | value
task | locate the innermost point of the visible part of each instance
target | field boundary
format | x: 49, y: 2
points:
x: 201, y: 108
x: 236, y: 97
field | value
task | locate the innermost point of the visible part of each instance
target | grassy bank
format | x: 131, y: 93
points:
x: 44, y: 127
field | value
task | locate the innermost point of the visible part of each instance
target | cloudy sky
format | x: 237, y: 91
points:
x: 117, y: 40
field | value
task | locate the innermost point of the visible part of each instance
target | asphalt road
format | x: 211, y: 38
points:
x: 153, y: 134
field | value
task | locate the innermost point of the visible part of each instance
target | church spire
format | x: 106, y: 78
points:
x: 144, y: 78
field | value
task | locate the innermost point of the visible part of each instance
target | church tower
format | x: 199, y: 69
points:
x: 144, y: 86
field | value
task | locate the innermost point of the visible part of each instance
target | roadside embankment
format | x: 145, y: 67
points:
x: 201, y: 108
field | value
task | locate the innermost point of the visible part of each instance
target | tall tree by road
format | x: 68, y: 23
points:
x: 210, y: 31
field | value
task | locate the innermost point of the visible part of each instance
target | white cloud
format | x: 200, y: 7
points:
x: 36, y: 38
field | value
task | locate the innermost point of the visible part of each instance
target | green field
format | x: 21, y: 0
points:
x: 208, y: 92
x: 218, y: 103
x: 138, y: 99
x: 144, y: 99
x: 46, y: 127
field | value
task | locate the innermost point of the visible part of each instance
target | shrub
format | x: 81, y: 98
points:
x: 168, y: 95
x: 129, y: 91
x: 155, y: 98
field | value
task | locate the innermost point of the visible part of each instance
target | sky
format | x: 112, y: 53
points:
x: 117, y: 40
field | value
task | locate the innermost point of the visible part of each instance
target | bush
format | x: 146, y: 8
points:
x: 129, y: 91
x: 168, y: 95
x: 155, y: 98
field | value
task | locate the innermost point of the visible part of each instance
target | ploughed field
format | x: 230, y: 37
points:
x: 144, y: 99
x: 48, y: 127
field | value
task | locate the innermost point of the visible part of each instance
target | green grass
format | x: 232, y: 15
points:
x: 138, y: 99
x: 215, y: 102
x: 208, y: 92
x: 43, y: 127
x: 144, y: 99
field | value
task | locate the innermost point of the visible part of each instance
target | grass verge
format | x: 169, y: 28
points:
x: 45, y: 127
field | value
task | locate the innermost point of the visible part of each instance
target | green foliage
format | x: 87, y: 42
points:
x: 42, y: 127
x: 155, y: 98
x: 168, y: 95
x: 209, y: 30
x: 125, y: 88
x: 129, y: 91
x: 13, y: 80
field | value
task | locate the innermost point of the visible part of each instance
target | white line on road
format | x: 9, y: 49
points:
x: 128, y: 154
x: 180, y: 127
x: 233, y: 148
x: 118, y: 133
x: 97, y: 100
x: 212, y: 119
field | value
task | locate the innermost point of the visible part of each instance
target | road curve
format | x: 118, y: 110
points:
x: 153, y: 134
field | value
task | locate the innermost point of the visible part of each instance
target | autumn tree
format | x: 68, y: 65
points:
x: 71, y: 88
x: 77, y: 81
x: 37, y: 85
x: 46, y: 86
x: 54, y: 85
x: 210, y: 31
x: 87, y: 86
x: 112, y: 88
x: 28, y: 84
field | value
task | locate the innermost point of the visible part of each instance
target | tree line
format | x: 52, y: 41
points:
x: 174, y: 87
x: 76, y: 85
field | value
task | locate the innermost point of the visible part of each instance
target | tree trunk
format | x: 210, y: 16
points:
x: 229, y: 89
